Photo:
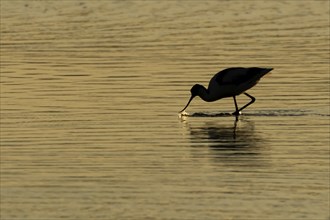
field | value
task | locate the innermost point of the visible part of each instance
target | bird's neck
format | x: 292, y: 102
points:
x: 204, y: 94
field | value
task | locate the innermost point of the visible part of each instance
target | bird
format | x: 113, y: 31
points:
x: 229, y: 82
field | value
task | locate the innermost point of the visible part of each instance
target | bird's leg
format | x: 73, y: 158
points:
x: 252, y: 100
x: 237, y: 111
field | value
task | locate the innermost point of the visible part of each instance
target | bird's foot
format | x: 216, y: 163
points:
x: 237, y: 113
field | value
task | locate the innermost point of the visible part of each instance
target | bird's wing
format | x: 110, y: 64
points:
x: 236, y: 75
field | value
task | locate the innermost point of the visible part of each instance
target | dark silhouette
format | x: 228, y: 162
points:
x: 230, y: 82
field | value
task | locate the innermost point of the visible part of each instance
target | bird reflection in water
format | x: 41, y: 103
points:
x: 232, y: 143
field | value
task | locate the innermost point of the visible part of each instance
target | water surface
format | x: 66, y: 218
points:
x: 90, y: 92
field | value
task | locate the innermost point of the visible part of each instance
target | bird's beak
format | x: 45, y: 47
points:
x: 191, y: 98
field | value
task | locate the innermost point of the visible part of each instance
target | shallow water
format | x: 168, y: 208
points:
x: 90, y: 94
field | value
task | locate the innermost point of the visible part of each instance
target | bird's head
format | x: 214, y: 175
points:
x: 194, y: 92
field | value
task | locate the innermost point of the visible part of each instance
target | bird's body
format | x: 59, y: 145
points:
x: 230, y: 82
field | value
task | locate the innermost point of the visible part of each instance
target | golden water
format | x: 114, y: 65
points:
x: 90, y: 92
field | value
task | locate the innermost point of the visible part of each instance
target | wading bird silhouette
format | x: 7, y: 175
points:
x: 229, y: 82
